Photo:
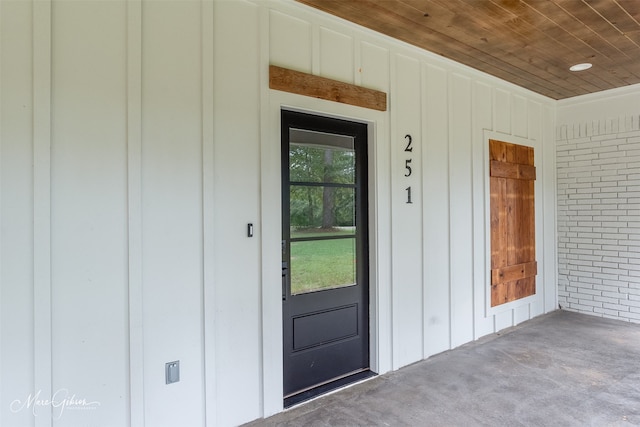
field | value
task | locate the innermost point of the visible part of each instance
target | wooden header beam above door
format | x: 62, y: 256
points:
x: 321, y: 87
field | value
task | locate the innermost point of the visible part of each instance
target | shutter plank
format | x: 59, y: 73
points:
x: 513, y: 237
x: 498, y: 188
x: 514, y: 272
x: 512, y: 170
x: 497, y: 150
x: 525, y: 287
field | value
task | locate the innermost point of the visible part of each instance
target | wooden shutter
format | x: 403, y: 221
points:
x: 513, y: 248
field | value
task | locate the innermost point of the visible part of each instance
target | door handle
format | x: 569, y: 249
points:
x: 285, y: 270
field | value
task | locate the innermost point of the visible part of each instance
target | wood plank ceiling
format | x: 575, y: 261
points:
x: 531, y: 43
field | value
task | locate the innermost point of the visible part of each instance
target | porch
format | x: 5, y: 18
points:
x: 563, y: 368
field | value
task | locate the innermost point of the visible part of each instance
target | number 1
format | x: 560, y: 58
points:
x: 409, y: 195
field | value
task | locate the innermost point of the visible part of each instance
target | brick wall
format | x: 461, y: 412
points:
x: 598, y: 165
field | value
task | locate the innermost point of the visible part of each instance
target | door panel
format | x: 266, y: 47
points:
x: 324, y: 251
x: 325, y: 327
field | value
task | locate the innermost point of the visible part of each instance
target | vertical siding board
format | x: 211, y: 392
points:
x: 502, y: 111
x: 336, y: 55
x: 520, y: 116
x: 436, y: 212
x: 535, y: 124
x: 172, y: 210
x: 461, y: 208
x: 236, y: 182
x: 17, y: 313
x: 290, y: 42
x: 534, y: 121
x: 375, y: 74
x: 89, y: 208
x: 482, y: 120
x: 134, y: 194
x: 208, y: 210
x: 3, y: 419
x: 357, y: 61
x: 3, y: 298
x: 42, y: 302
x: 503, y: 319
x: 270, y: 234
x: 549, y: 203
x: 382, y: 238
x: 407, y: 218
x: 374, y: 67
x: 521, y: 313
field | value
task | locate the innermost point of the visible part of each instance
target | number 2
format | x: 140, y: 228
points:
x: 408, y: 148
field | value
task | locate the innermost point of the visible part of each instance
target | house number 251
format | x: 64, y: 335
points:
x: 407, y: 164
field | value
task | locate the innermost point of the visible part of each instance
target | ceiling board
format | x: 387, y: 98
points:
x: 531, y: 43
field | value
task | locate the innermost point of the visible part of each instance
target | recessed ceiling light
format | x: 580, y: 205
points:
x: 581, y: 67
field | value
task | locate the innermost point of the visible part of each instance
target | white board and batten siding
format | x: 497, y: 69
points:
x: 138, y: 140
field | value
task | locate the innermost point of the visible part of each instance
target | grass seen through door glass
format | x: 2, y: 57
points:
x: 322, y: 264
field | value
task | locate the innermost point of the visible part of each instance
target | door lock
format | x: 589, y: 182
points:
x: 285, y: 270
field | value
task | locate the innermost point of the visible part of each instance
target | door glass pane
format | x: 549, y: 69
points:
x: 322, y: 264
x: 321, y: 211
x: 321, y: 157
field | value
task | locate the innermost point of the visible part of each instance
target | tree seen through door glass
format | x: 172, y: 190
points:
x: 332, y: 162
x: 322, y: 211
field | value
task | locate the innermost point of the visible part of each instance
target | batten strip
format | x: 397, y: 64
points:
x: 42, y: 206
x: 134, y: 199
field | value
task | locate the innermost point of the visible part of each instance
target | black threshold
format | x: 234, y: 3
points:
x: 325, y: 388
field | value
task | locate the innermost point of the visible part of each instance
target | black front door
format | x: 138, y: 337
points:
x: 324, y: 254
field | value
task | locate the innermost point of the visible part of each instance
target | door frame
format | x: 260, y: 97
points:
x: 271, y: 227
x: 325, y: 300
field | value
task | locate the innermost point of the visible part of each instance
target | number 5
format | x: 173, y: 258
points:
x: 407, y: 167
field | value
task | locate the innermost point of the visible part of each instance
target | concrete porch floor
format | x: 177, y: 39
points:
x: 560, y: 369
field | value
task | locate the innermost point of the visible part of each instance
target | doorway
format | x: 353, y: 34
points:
x: 325, y: 262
